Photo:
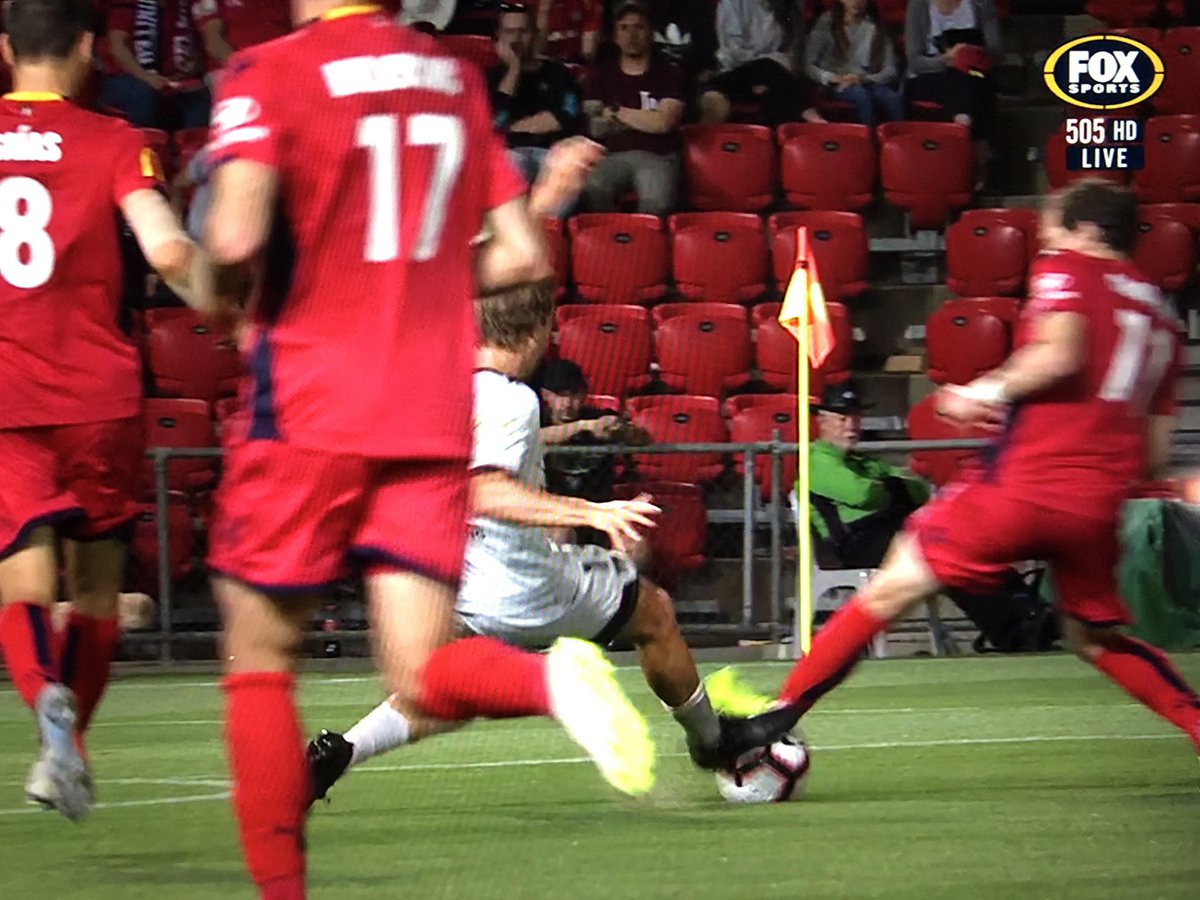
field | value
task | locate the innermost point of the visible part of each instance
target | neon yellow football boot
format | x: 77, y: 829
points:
x: 731, y: 696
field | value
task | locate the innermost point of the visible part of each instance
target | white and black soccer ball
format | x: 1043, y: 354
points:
x: 769, y: 774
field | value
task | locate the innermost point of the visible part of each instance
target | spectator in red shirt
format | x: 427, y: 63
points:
x: 152, y: 70
x: 569, y: 30
x: 226, y: 26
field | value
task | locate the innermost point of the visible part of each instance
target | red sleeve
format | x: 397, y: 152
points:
x: 137, y: 165
x: 120, y: 16
x: 1054, y: 287
x: 246, y: 116
x: 205, y: 11
x: 1165, y: 401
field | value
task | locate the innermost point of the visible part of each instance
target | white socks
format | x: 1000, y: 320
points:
x: 698, y: 719
x: 380, y: 730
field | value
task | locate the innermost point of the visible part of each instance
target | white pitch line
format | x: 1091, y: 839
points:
x: 124, y: 804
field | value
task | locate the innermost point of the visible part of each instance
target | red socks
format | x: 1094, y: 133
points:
x: 270, y: 779
x: 483, y: 678
x: 1147, y: 674
x: 26, y: 640
x: 86, y: 646
x: 835, y: 651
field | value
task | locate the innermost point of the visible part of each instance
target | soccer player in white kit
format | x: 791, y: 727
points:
x: 522, y: 587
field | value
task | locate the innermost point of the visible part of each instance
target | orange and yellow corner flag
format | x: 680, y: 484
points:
x: 803, y: 312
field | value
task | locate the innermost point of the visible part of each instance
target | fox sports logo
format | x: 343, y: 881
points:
x: 1104, y: 71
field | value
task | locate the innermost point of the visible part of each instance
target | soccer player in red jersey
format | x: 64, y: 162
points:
x: 70, y: 379
x: 1086, y: 404
x: 374, y: 151
x: 227, y: 26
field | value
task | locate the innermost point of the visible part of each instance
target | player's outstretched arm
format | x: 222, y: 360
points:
x: 496, y: 495
x: 166, y: 246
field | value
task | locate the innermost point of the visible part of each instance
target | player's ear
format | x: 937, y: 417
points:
x: 6, y: 50
x: 87, y: 44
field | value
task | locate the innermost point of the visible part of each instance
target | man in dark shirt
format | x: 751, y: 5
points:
x: 634, y: 104
x: 535, y: 101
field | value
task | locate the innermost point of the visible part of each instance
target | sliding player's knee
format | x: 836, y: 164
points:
x: 654, y: 617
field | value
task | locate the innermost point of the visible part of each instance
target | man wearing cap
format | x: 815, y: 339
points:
x: 858, y: 502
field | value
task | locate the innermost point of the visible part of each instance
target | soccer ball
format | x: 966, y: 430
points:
x: 769, y: 774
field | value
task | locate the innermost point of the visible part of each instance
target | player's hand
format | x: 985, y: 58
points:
x: 625, y: 520
x: 959, y: 407
x: 507, y: 55
x: 849, y: 80
x: 157, y: 82
x: 562, y: 176
x: 606, y: 426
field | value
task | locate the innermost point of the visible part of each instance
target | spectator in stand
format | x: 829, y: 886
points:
x: 850, y: 55
x: 951, y: 45
x: 227, y: 26
x: 685, y: 33
x: 634, y: 104
x: 152, y: 67
x: 569, y: 30
x: 535, y: 101
x: 757, y: 40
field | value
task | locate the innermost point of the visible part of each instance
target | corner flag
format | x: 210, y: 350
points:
x: 805, y: 315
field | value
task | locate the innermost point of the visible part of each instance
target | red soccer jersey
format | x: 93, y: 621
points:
x: 387, y: 163
x: 247, y: 23
x: 63, y: 174
x: 1081, y: 445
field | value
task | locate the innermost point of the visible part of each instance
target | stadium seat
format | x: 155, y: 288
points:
x: 938, y: 466
x: 619, y: 257
x: 1054, y: 158
x: 988, y: 252
x: 839, y: 242
x: 739, y: 403
x: 181, y: 545
x: 677, y: 544
x: 759, y: 423
x: 892, y: 13
x: 702, y: 348
x: 188, y: 358
x: 1166, y: 249
x: 926, y: 169
x: 1180, y: 52
x: 180, y: 424
x: 966, y: 337
x: 612, y: 344
x: 1172, y: 171
x: 556, y: 239
x: 729, y: 167
x: 777, y: 356
x: 1122, y: 13
x: 475, y: 48
x: 827, y: 166
x: 679, y: 419
x: 718, y: 256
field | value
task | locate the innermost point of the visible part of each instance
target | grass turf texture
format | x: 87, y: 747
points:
x: 991, y: 777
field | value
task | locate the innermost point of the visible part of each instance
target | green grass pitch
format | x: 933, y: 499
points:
x: 962, y: 778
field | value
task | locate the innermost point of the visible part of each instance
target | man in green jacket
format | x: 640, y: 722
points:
x: 858, y: 502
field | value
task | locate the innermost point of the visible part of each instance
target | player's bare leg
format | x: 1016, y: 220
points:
x: 1145, y: 672
x: 261, y: 643
x: 28, y: 580
x: 478, y: 677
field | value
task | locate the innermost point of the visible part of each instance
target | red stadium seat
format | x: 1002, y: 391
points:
x: 839, y: 242
x: 759, y: 423
x: 892, y: 13
x: 1122, y: 13
x: 827, y: 166
x: 938, y: 466
x: 1166, y: 249
x: 1180, y: 52
x: 718, y: 257
x: 926, y: 169
x: 966, y: 337
x: 677, y: 544
x: 475, y: 48
x: 181, y: 424
x: 729, y: 167
x: 181, y: 545
x: 188, y: 358
x: 777, y: 354
x: 677, y: 420
x: 987, y: 252
x: 1172, y: 171
x: 556, y: 239
x: 612, y: 344
x: 619, y: 257
x: 739, y: 403
x: 702, y: 348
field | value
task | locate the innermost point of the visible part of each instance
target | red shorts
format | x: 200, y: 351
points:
x: 289, y: 519
x: 85, y: 476
x: 970, y: 534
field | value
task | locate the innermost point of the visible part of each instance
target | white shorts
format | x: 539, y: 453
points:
x: 592, y: 596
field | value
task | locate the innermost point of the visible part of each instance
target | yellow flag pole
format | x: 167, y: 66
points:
x: 804, y: 549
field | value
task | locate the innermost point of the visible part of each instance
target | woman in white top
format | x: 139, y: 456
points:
x: 851, y: 56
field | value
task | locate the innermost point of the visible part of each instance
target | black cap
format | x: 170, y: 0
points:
x: 632, y: 6
x: 843, y: 398
x: 561, y: 376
